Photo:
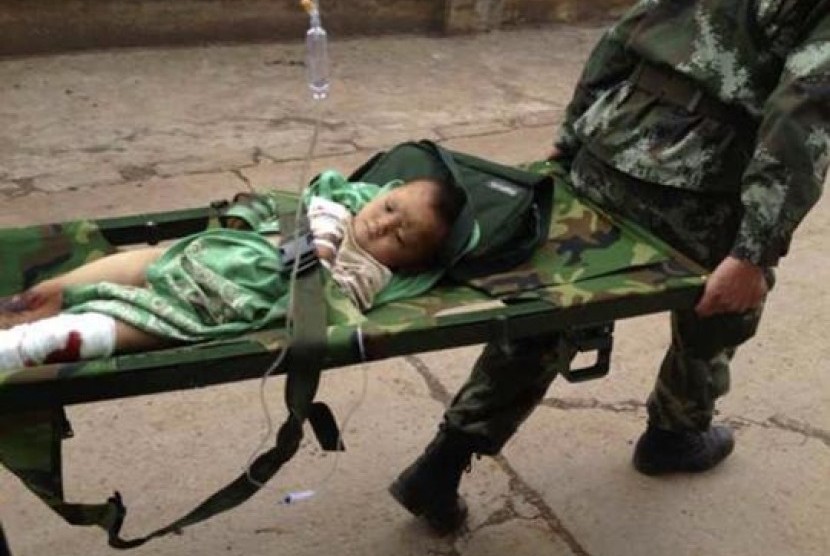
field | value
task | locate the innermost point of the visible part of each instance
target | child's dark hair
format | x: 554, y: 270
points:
x: 448, y: 202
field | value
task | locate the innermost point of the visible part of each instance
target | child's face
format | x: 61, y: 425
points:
x: 402, y: 229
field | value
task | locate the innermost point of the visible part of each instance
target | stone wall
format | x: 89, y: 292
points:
x: 483, y: 15
x: 57, y: 25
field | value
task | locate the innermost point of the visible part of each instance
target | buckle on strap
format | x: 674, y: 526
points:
x: 694, y: 102
x: 300, y: 246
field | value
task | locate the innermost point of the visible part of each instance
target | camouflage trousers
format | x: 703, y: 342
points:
x: 508, y: 382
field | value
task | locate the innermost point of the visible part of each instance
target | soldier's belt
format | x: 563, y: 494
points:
x: 680, y: 90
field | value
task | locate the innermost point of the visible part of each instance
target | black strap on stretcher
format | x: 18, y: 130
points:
x: 303, y: 377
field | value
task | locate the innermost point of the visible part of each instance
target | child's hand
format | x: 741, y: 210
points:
x: 325, y: 247
x: 235, y: 223
x: 13, y: 303
x: 41, y: 301
x: 324, y: 253
x: 251, y: 210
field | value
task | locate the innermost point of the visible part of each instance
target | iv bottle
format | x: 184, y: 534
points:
x: 317, y: 58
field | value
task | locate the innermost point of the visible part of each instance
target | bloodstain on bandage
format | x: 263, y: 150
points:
x: 70, y: 352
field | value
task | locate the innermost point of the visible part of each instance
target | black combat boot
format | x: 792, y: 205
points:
x: 660, y: 451
x: 429, y: 487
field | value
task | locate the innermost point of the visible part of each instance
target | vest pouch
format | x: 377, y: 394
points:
x: 654, y: 139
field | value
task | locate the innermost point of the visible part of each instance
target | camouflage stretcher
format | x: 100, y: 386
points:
x: 594, y: 269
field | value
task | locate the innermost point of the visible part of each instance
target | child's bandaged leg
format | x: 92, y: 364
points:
x: 57, y: 339
x: 10, y: 341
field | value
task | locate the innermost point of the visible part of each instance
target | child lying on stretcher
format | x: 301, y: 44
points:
x: 379, y: 243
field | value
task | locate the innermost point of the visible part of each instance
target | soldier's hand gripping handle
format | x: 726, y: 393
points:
x: 734, y: 286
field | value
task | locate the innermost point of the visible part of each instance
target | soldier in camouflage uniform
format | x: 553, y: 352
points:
x: 708, y: 122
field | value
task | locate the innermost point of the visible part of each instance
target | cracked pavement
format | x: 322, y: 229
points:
x: 117, y: 132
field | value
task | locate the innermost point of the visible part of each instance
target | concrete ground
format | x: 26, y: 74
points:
x: 139, y: 130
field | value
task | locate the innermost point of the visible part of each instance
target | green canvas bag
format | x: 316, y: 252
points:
x: 507, y: 210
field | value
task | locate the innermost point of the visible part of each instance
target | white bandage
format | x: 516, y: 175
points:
x: 10, y: 349
x: 327, y: 218
x: 59, y: 338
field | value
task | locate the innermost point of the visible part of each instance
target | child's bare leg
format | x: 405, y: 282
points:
x: 130, y: 339
x: 46, y: 298
x: 127, y: 267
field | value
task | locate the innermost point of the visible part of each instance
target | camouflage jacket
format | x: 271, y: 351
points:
x: 766, y: 59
